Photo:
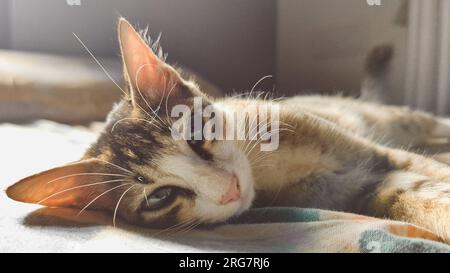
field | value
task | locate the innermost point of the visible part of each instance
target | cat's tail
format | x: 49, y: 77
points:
x: 373, y: 87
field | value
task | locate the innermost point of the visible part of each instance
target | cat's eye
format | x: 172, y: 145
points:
x: 141, y: 179
x: 160, y: 198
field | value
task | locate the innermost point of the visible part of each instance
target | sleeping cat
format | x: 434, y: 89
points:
x: 330, y: 156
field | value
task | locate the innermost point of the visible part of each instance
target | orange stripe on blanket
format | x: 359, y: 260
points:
x: 357, y: 217
x: 410, y: 231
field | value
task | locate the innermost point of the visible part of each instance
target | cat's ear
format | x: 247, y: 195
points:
x: 149, y: 77
x: 72, y: 185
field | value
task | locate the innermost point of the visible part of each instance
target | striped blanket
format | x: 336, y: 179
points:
x: 26, y: 227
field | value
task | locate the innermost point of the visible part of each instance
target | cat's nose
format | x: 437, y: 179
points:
x: 233, y: 193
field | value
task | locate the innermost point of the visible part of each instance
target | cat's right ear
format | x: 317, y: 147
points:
x: 149, y: 77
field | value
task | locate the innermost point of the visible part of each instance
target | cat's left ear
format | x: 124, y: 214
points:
x: 150, y: 78
x: 71, y: 185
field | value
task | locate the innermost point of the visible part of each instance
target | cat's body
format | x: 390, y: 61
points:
x: 331, y: 162
x: 330, y: 156
x: 389, y: 125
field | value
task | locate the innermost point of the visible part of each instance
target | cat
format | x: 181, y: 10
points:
x: 330, y: 156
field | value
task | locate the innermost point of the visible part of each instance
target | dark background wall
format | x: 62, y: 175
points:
x: 4, y: 25
x: 230, y: 42
x: 308, y: 45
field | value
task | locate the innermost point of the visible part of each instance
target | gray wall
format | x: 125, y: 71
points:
x: 314, y: 45
x: 322, y: 44
x: 4, y: 25
x: 230, y: 42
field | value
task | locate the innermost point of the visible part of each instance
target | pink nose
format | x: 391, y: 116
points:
x: 233, y: 193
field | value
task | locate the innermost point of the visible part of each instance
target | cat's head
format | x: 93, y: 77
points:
x: 136, y: 169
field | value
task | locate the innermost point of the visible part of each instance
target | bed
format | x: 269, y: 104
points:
x: 31, y: 147
x: 43, y: 144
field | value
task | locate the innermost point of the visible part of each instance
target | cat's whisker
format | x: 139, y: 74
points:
x: 257, y: 83
x: 246, y: 94
x: 181, y: 228
x: 263, y: 157
x: 266, y: 96
x: 142, y: 96
x: 139, y: 119
x: 189, y: 227
x: 262, y: 138
x: 167, y: 123
x: 258, y: 126
x: 117, y: 166
x: 260, y: 157
x: 99, y: 64
x: 152, y: 118
x: 173, y: 227
x: 252, y: 132
x: 167, y: 98
x: 278, y: 99
x: 82, y: 174
x: 100, y: 195
x: 79, y: 187
x: 248, y: 145
x: 280, y: 122
x: 258, y: 141
x: 269, y: 125
x: 161, y: 101
x: 181, y: 224
x: 239, y: 95
x: 138, y: 71
x: 242, y: 128
x: 170, y: 228
x: 261, y: 93
x: 162, y: 97
x: 283, y: 123
x: 176, y: 231
x: 146, y: 199
x: 118, y: 203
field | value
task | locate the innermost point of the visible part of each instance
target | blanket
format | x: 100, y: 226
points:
x: 31, y: 228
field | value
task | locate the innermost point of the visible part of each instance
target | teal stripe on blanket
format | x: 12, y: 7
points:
x: 379, y: 241
x: 278, y: 215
